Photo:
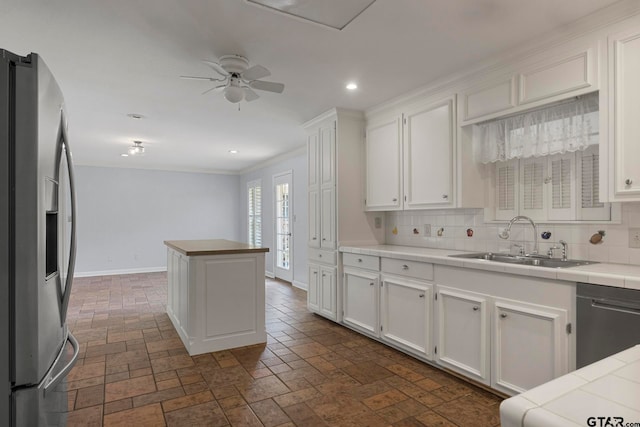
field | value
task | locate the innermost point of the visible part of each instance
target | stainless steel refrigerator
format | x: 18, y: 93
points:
x: 37, y: 245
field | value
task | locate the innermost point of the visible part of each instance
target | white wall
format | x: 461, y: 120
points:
x: 124, y: 215
x: 298, y: 164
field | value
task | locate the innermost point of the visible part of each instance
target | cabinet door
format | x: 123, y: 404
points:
x: 360, y: 300
x: 406, y: 309
x: 463, y: 333
x: 428, y: 155
x: 313, y: 302
x: 328, y: 218
x: 624, y: 86
x: 314, y: 218
x: 328, y: 154
x: 328, y: 292
x: 530, y: 345
x: 384, y: 166
x: 488, y: 98
x: 313, y: 159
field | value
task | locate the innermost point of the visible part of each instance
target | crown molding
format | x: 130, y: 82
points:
x: 276, y: 159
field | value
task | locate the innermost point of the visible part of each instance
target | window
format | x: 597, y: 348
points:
x: 254, y: 207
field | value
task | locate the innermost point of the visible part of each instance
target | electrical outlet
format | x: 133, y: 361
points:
x: 426, y: 230
x: 378, y: 222
x: 634, y: 237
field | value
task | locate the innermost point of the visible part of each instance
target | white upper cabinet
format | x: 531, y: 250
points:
x: 624, y: 110
x: 384, y: 165
x: 410, y: 158
x: 313, y: 159
x: 557, y: 75
x: 429, y: 135
x: 534, y: 81
x: 489, y: 98
x: 328, y: 155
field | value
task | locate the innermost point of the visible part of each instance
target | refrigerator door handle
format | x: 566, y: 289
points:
x: 72, y: 249
x: 51, y: 384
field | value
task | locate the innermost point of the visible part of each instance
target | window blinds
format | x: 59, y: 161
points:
x: 254, y: 204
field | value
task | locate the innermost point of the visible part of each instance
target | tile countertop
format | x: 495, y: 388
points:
x: 607, y: 390
x: 617, y: 275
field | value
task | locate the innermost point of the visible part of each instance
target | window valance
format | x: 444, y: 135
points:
x: 563, y: 127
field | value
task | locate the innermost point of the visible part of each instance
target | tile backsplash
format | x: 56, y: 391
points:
x: 408, y: 228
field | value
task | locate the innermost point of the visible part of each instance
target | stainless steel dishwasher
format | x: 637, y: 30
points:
x: 608, y: 321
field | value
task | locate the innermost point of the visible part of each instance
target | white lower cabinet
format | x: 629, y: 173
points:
x: 529, y: 345
x: 509, y: 345
x: 321, y: 294
x: 360, y: 303
x: 463, y: 332
x: 406, y: 308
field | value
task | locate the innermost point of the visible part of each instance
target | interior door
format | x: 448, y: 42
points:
x: 283, y: 192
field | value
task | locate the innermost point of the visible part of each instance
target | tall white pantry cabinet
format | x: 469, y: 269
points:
x: 336, y: 207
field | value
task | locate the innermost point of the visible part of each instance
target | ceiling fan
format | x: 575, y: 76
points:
x: 238, y: 79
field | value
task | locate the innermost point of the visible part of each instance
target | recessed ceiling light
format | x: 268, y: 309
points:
x: 135, y: 116
x: 124, y: 155
x: 233, y: 151
x: 352, y: 86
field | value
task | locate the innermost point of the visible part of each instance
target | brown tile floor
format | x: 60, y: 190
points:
x: 133, y: 369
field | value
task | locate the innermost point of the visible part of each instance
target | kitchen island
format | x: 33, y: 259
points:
x: 216, y: 293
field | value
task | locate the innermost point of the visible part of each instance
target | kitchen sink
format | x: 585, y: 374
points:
x: 536, y: 261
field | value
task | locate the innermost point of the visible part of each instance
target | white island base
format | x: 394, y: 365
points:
x: 216, y: 294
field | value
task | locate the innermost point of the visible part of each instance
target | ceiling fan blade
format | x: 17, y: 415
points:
x: 268, y: 86
x: 213, y: 88
x: 201, y: 78
x: 250, y: 95
x: 216, y: 67
x: 254, y: 73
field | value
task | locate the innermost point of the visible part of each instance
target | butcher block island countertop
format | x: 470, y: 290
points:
x: 216, y: 293
x: 212, y: 247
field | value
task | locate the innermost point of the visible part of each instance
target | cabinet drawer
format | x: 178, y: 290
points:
x: 369, y: 262
x: 324, y: 257
x: 417, y: 270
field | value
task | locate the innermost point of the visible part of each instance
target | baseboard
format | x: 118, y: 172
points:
x: 300, y: 285
x: 116, y: 272
x: 269, y: 274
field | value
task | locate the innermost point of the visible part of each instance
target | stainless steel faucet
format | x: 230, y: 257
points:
x: 504, y: 234
x: 564, y: 250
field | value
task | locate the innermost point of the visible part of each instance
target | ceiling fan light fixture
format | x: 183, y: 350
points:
x: 136, y: 149
x: 233, y: 94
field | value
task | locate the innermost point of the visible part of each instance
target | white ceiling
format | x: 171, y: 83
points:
x: 114, y: 57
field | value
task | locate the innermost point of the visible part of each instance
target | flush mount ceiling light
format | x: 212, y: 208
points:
x: 352, y: 86
x: 331, y: 13
x: 136, y: 149
x: 233, y: 151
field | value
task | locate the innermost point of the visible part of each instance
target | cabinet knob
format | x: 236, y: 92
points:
x: 395, y: 199
x: 445, y: 196
x: 324, y: 239
x: 503, y: 315
x: 359, y: 259
x: 405, y: 267
x: 371, y: 284
x: 319, y: 255
x: 628, y: 181
x: 314, y: 238
x: 315, y: 272
x: 421, y: 295
x: 324, y: 275
x: 476, y: 308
